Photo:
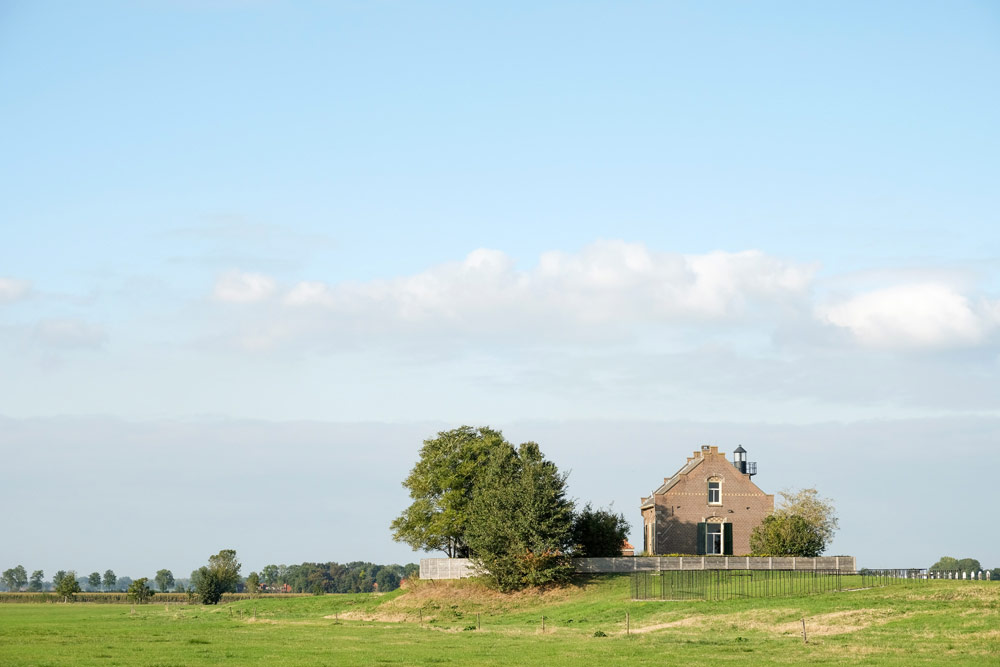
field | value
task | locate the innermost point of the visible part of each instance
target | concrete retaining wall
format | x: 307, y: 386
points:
x: 459, y: 568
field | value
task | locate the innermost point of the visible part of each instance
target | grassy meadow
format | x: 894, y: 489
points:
x: 435, y: 623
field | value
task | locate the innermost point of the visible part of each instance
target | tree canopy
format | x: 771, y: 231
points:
x: 252, y: 584
x: 477, y: 496
x: 599, y: 533
x: 949, y: 564
x: 164, y: 580
x: 786, y: 535
x: 441, y: 485
x: 816, y: 510
x: 354, y: 577
x: 520, y: 521
x: 15, y: 578
x: 803, y: 525
x: 67, y: 586
x: 221, y: 575
x: 139, y: 592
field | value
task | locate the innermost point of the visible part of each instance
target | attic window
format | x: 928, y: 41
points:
x: 714, y: 492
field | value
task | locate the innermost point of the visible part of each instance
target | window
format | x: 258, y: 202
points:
x: 714, y: 493
x: 714, y: 543
x: 715, y: 538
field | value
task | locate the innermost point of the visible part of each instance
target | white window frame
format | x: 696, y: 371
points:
x: 714, y: 538
x: 716, y: 492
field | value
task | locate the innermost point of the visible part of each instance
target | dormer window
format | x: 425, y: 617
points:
x: 714, y: 491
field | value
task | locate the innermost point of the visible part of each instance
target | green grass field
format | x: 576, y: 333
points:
x: 433, y: 623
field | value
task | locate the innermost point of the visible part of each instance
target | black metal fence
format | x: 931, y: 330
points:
x: 740, y: 584
x: 732, y: 584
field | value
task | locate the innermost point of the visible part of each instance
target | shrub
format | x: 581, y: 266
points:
x: 786, y: 534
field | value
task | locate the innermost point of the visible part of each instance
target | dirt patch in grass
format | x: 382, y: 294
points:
x: 988, y: 592
x: 833, y: 623
x: 690, y: 621
x: 839, y: 622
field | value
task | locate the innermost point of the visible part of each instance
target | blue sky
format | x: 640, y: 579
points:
x: 672, y: 218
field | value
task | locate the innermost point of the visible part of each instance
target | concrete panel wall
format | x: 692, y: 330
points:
x: 459, y: 568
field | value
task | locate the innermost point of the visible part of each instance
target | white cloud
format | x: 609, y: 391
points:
x: 915, y: 315
x: 240, y: 287
x: 68, y: 333
x: 12, y: 289
x: 608, y: 282
x: 614, y: 290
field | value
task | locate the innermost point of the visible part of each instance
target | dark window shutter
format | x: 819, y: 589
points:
x: 702, y: 538
x: 727, y: 539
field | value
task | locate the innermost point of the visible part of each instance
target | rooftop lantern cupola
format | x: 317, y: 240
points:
x: 740, y: 462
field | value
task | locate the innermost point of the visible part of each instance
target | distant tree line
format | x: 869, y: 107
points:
x: 332, y: 577
x: 16, y: 579
x: 949, y: 564
x: 220, y: 575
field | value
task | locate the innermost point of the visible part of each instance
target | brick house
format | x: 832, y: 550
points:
x: 709, y: 506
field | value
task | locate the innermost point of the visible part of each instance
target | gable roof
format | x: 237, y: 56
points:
x: 670, y: 483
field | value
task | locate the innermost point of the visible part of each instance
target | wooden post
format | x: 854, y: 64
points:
x: 628, y: 625
x: 543, y: 624
x: 804, y: 640
x: 479, y: 625
x: 255, y: 611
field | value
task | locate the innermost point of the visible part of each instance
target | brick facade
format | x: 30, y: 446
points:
x: 672, y: 514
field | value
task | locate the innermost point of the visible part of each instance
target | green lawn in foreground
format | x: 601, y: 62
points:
x: 938, y: 622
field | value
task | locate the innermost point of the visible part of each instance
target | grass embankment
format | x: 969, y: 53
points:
x: 937, y: 622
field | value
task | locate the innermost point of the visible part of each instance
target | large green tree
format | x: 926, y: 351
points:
x: 270, y: 574
x: 252, y: 585
x: 164, y: 579
x: 599, y: 533
x: 950, y: 564
x: 15, y: 578
x: 786, y: 535
x: 67, y: 586
x: 520, y: 520
x: 802, y: 525
x: 818, y: 511
x: 139, y: 592
x: 441, y: 485
x: 221, y: 575
x: 109, y: 579
x: 969, y: 565
x: 36, y: 583
x: 94, y: 581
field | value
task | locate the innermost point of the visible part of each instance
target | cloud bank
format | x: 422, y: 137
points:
x: 612, y: 289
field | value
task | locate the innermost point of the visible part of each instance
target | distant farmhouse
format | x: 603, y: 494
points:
x: 709, y: 506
